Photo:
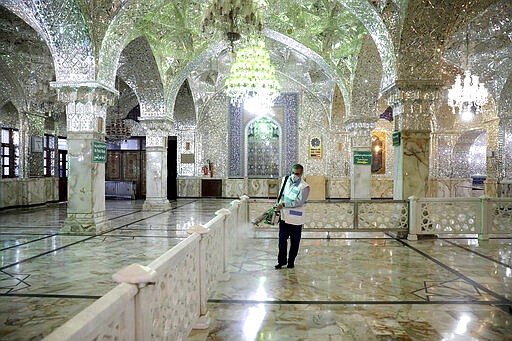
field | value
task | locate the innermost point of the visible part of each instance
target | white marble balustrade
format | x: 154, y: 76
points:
x: 166, y: 299
x: 364, y: 215
x: 451, y: 216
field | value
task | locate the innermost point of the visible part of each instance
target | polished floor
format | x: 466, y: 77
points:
x: 352, y: 286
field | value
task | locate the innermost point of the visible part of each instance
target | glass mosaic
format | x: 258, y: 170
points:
x: 412, y: 50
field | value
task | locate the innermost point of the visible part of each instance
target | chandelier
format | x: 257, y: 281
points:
x: 117, y: 130
x: 233, y: 17
x: 467, y: 95
x: 252, y: 75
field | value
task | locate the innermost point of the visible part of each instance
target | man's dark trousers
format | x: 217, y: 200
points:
x: 288, y: 231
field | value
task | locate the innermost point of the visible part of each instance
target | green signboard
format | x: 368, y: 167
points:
x: 362, y: 157
x: 99, y: 152
x: 396, y: 138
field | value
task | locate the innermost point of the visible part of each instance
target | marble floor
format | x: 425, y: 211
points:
x: 353, y: 286
x: 46, y: 276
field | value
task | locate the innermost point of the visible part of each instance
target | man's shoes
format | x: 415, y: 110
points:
x: 279, y: 266
x: 290, y: 266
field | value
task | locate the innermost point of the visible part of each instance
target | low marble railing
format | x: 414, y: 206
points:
x: 482, y: 216
x: 361, y: 215
x: 166, y: 299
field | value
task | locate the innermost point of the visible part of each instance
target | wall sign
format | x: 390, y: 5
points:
x: 315, y: 148
x: 362, y: 157
x: 99, y: 152
x: 37, y: 144
x: 396, y: 138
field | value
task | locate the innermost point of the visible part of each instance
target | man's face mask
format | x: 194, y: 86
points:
x: 294, y: 177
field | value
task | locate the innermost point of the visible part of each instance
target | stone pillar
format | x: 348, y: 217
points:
x: 86, y: 107
x: 494, y: 157
x: 157, y: 131
x: 412, y: 104
x: 501, y: 159
x: 361, y: 178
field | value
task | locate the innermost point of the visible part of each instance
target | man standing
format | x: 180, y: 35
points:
x: 292, y: 208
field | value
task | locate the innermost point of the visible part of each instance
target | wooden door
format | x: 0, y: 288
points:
x: 63, y: 175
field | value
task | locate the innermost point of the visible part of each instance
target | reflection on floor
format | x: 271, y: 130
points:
x: 348, y: 287
x: 367, y: 288
x: 46, y: 277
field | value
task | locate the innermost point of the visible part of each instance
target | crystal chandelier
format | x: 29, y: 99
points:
x: 252, y: 75
x: 233, y: 17
x: 467, y: 95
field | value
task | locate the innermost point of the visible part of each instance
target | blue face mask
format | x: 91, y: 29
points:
x: 294, y: 177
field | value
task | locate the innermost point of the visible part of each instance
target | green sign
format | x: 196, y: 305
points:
x: 396, y: 138
x: 362, y: 157
x: 99, y: 152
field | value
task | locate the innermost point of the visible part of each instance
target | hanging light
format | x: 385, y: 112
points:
x: 252, y: 75
x: 467, y: 95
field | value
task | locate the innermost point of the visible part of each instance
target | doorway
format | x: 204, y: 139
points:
x: 63, y: 175
x: 172, y: 167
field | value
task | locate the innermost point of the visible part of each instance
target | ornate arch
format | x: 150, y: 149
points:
x: 140, y: 71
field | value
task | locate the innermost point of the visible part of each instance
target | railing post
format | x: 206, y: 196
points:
x: 413, y: 218
x: 485, y: 218
x: 203, y: 322
x: 236, y: 208
x: 141, y: 276
x: 245, y: 210
x: 226, y: 239
x: 235, y: 205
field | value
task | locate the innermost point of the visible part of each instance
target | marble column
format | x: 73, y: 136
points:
x: 413, y: 106
x: 157, y: 131
x: 361, y: 135
x: 86, y: 107
x: 501, y: 159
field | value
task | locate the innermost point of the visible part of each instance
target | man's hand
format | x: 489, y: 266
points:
x: 279, y: 206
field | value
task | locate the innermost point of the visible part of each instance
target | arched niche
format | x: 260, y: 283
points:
x: 470, y: 154
x: 263, y: 146
x: 285, y: 111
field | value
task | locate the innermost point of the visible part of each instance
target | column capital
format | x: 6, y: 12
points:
x: 84, y: 92
x: 413, y: 102
x: 156, y: 130
x: 403, y: 85
x: 360, y: 129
